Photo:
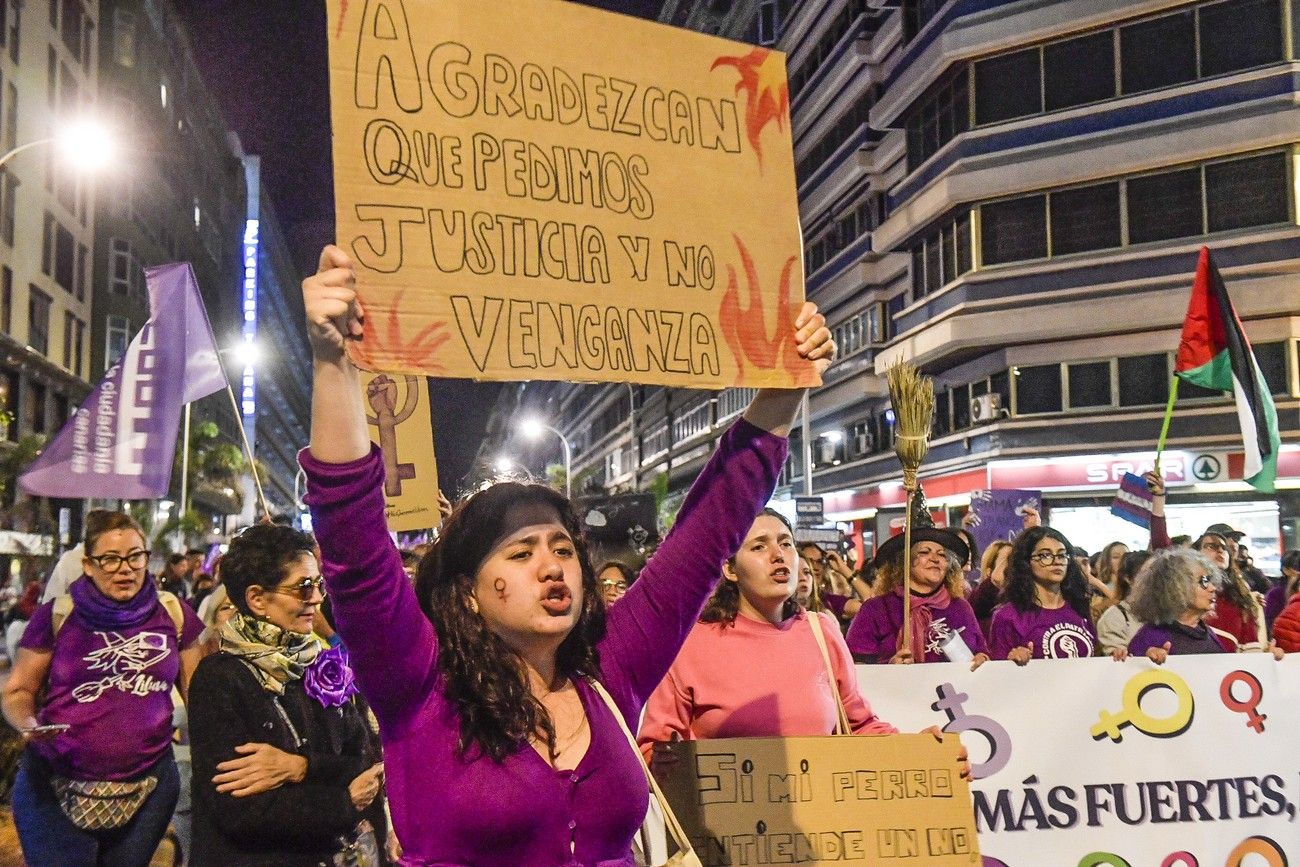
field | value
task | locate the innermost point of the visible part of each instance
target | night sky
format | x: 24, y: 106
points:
x: 266, y: 64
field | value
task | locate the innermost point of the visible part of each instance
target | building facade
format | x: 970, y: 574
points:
x: 1012, y: 195
x: 48, y: 62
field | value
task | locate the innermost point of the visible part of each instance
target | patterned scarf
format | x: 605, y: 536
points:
x: 922, y: 615
x: 276, y: 655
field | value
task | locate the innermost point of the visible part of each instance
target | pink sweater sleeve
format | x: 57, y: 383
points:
x: 862, y: 720
x: 667, y: 713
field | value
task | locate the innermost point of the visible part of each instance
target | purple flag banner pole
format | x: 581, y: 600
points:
x: 120, y: 442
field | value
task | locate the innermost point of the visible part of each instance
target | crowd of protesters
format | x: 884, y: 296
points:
x: 499, y: 667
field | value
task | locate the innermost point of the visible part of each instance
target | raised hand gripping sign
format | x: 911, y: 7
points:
x: 615, y: 202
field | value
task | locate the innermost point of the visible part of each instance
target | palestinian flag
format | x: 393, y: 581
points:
x: 1215, y: 354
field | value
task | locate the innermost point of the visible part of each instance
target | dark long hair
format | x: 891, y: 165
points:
x: 483, y: 677
x: 1235, y: 589
x: 724, y: 605
x: 1020, y: 582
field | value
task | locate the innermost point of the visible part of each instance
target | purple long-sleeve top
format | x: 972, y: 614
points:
x: 454, y: 810
x: 873, y: 635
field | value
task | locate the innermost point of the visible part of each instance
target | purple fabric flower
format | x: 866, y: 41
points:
x: 329, y: 678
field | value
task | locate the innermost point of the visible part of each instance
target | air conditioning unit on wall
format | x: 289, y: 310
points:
x: 985, y: 408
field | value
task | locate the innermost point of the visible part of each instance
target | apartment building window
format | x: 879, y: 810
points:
x: 124, y: 37
x: 6, y: 299
x: 1144, y: 379
x: 1013, y: 230
x: 38, y: 319
x: 47, y: 244
x: 655, y: 443
x: 771, y: 18
x: 1038, y: 389
x: 78, y: 346
x: 15, y: 30
x: 1159, y: 51
x: 852, y: 120
x: 916, y: 14
x: 937, y: 119
x: 4, y: 22
x: 117, y: 334
x: 1090, y: 384
x: 122, y: 267
x: 35, y: 406
x: 73, y: 21
x: 1085, y: 218
x: 68, y: 320
x: 1235, y: 193
x: 65, y: 257
x: 732, y: 401
x: 51, y: 77
x: 692, y: 422
x: 83, y: 274
x: 9, y: 206
x: 942, y: 256
x: 11, y: 116
x: 846, y: 21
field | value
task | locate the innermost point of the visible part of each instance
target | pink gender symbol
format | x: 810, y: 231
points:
x: 1254, y: 719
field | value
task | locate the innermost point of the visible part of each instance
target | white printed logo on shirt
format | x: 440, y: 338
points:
x: 1067, y: 641
x: 939, y: 635
x: 125, y: 662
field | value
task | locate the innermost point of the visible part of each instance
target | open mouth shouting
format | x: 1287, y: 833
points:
x: 558, y: 600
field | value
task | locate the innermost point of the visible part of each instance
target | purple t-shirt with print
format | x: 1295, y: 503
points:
x: 114, y: 688
x: 1054, y: 633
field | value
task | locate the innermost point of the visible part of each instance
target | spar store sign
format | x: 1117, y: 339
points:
x: 1179, y: 468
x: 1093, y: 763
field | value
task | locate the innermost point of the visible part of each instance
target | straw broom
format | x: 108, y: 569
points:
x: 912, y: 397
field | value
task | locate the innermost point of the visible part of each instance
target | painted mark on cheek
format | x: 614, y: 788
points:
x: 499, y: 586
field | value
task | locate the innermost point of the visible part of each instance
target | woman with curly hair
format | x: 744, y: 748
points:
x: 484, y: 676
x: 1175, y: 592
x: 1046, y: 613
x: 938, y: 613
x: 1237, y: 612
x: 281, y: 770
x: 751, y: 667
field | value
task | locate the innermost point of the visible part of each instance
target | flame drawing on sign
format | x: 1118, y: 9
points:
x: 343, y: 13
x: 745, y: 329
x: 767, y: 93
x: 392, y: 352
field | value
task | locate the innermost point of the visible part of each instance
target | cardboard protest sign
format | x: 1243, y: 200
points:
x: 615, y: 202
x: 401, y: 424
x: 847, y: 800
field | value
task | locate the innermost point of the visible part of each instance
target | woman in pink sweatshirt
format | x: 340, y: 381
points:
x: 751, y: 667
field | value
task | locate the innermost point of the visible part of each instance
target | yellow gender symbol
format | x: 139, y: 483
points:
x: 1132, y: 714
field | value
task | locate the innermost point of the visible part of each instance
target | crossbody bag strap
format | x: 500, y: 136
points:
x: 670, y: 818
x: 842, y: 719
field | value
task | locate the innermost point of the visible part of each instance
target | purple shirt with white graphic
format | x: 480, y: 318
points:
x: 875, y: 628
x: 114, y: 688
x: 1054, y: 633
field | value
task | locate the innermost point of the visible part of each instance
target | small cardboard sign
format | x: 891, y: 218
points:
x: 613, y: 202
x: 810, y: 511
x: 820, y: 800
x: 401, y: 424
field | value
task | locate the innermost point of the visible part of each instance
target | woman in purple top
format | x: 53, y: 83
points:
x: 1046, y: 614
x: 1175, y: 592
x: 943, y: 624
x: 107, y: 663
x: 1285, y: 590
x: 497, y: 749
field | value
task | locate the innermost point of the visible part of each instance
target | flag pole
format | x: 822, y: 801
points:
x: 185, y: 479
x: 248, y: 451
x: 1164, y: 428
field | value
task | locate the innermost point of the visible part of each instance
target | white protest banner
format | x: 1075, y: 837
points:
x: 1095, y: 763
x: 543, y: 190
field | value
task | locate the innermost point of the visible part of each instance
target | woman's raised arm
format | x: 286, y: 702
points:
x: 338, y: 418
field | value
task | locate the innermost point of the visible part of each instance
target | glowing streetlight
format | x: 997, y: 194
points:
x: 532, y: 429
x: 504, y: 466
x: 85, y: 144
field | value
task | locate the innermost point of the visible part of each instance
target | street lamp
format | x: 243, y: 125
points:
x: 84, y: 143
x: 504, y: 466
x: 532, y: 429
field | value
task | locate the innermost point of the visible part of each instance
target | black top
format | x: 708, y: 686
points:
x: 1192, y: 639
x: 297, y: 823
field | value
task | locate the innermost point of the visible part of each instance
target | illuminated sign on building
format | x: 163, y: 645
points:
x: 248, y: 388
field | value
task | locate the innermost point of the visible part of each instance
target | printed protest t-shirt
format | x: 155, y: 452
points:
x: 1054, y: 633
x: 113, y: 688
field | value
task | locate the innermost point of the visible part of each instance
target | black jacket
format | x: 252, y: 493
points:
x: 297, y: 823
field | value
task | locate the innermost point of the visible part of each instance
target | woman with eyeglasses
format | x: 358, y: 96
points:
x: 1237, y: 612
x: 500, y: 747
x: 1175, y: 594
x: 282, y: 773
x: 614, y: 578
x: 98, y: 780
x: 1046, y: 615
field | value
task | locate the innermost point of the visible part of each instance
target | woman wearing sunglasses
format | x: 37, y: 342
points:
x: 282, y: 772
x: 1175, y: 594
x: 1237, y: 613
x: 98, y: 781
x: 1046, y: 615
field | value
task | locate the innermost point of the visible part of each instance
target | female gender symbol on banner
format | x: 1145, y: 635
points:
x: 1132, y: 714
x: 950, y: 702
x: 1254, y: 719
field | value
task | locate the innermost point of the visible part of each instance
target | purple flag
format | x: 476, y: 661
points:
x: 1133, y: 502
x: 120, y: 442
